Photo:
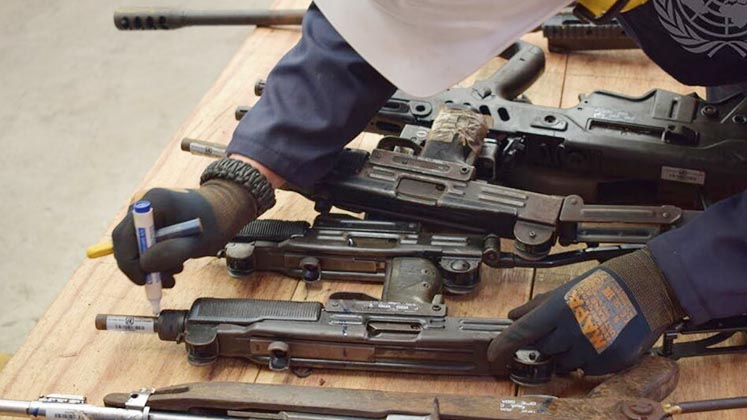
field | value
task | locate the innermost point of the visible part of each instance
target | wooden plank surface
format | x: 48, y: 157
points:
x: 64, y: 353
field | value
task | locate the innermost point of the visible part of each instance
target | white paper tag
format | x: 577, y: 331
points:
x: 688, y: 176
x: 129, y: 324
x: 519, y: 406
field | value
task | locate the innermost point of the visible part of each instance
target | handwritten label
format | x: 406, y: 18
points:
x: 519, y: 406
x: 129, y: 324
x: 64, y: 414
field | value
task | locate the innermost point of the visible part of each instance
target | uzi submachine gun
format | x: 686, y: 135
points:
x: 662, y: 147
x: 341, y: 247
x: 437, y: 187
x: 407, y: 331
x: 631, y: 395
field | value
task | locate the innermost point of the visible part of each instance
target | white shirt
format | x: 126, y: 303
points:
x: 426, y: 46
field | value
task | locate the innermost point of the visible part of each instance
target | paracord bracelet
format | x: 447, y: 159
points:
x: 248, y: 176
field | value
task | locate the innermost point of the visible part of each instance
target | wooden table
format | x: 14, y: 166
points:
x: 64, y: 353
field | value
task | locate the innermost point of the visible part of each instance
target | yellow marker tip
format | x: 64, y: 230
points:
x: 100, y: 249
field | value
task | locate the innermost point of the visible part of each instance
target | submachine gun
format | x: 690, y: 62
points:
x: 397, y: 186
x: 341, y: 247
x: 631, y: 395
x: 407, y: 331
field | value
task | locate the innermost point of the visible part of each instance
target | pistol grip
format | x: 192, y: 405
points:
x: 411, y: 280
x: 526, y: 63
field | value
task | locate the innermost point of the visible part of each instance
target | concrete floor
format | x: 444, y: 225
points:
x: 85, y: 110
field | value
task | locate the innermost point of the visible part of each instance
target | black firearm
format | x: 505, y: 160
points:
x: 340, y: 247
x: 662, y: 147
x: 633, y: 395
x: 566, y: 32
x: 164, y: 18
x: 408, y: 331
x: 437, y: 187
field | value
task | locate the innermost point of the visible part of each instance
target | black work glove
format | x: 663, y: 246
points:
x: 223, y: 206
x: 600, y: 322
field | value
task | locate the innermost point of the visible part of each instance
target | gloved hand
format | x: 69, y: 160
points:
x: 223, y: 206
x: 600, y: 322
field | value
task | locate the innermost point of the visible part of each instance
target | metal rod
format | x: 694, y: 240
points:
x: 707, y: 405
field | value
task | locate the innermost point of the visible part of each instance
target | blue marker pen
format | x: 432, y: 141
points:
x: 142, y: 215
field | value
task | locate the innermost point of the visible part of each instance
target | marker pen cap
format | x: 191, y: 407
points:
x: 142, y: 206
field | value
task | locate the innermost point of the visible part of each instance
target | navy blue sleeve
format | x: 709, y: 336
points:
x: 705, y: 261
x: 698, y: 44
x: 318, y: 97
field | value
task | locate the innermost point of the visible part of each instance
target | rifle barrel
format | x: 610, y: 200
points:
x: 161, y: 18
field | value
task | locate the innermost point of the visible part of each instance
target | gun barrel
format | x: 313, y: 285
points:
x: 122, y: 323
x: 14, y: 408
x: 73, y: 407
x: 203, y: 148
x: 708, y: 405
x: 377, y: 336
x: 159, y: 18
x: 64, y: 406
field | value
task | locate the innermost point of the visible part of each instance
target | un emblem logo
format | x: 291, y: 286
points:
x: 706, y: 26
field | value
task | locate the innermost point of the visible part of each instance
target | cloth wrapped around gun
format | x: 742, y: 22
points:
x: 634, y: 394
